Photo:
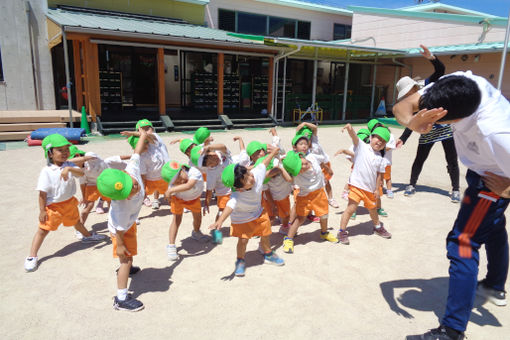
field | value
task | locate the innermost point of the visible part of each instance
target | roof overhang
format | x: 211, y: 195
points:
x: 309, y: 6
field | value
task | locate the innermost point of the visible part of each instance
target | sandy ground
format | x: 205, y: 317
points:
x: 371, y: 289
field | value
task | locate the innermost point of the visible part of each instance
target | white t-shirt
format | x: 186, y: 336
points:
x: 317, y: 150
x: 279, y: 187
x: 153, y: 160
x: 390, y: 146
x: 92, y: 169
x: 124, y: 213
x: 214, y: 175
x: 246, y: 205
x: 196, y: 190
x: 482, y: 140
x: 56, y: 189
x: 310, y: 180
x: 367, y: 163
x: 115, y: 162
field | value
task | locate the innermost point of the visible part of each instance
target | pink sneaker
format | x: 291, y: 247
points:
x: 382, y: 232
x: 313, y: 218
x: 345, y: 195
x: 147, y: 202
x: 99, y: 210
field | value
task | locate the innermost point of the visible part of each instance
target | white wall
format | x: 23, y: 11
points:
x: 17, y: 91
x: 321, y: 22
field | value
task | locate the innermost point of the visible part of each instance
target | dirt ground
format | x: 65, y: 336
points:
x: 373, y: 288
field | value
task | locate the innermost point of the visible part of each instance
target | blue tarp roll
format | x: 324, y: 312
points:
x: 70, y: 134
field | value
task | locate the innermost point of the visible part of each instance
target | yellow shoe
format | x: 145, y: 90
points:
x: 288, y: 245
x: 329, y: 237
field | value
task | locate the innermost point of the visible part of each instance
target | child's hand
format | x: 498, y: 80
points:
x: 399, y: 144
x: 215, y: 225
x: 347, y: 127
x: 122, y: 251
x: 43, y: 216
x: 65, y: 173
x: 205, y: 210
x: 377, y: 194
x: 271, y: 148
x: 127, y: 133
x: 168, y: 193
x: 272, y: 131
x: 237, y: 138
x: 175, y: 141
x: 208, y: 140
x: 339, y: 152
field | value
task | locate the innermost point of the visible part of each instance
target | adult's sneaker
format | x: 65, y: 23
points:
x: 288, y: 245
x: 410, y: 190
x: 440, y: 333
x: 343, y: 236
x: 31, y: 264
x: 382, y: 232
x: 455, y: 197
x: 171, y: 251
x: 273, y: 259
x: 497, y: 297
x: 130, y: 304
x: 240, y: 267
x: 93, y: 238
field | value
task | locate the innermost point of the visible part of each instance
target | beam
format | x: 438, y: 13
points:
x: 93, y: 93
x: 78, y: 80
x: 221, y: 66
x: 161, y: 81
x: 270, y: 84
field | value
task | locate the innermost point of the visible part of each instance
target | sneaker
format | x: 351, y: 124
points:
x: 410, y: 190
x: 171, y: 252
x: 130, y: 304
x: 345, y: 195
x: 132, y: 271
x: 260, y: 250
x: 382, y: 213
x: 288, y: 245
x: 329, y: 237
x: 93, y: 238
x: 78, y: 235
x: 343, y: 236
x: 440, y: 333
x: 147, y: 202
x: 455, y: 196
x: 497, y: 297
x: 137, y: 221
x: 31, y: 264
x: 273, y: 259
x: 155, y: 205
x: 390, y: 194
x: 198, y: 236
x: 332, y: 202
x: 99, y: 210
x: 284, y: 229
x: 240, y: 267
x: 313, y: 218
x: 382, y: 232
x: 353, y: 216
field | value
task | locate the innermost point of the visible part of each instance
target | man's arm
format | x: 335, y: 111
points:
x: 421, y: 122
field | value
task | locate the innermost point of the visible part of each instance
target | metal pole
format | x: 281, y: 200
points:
x: 272, y: 94
x: 395, y: 85
x: 284, y: 85
x: 346, y: 83
x: 503, y: 57
x: 275, y: 115
x: 314, y: 85
x: 373, y: 90
x: 68, y: 77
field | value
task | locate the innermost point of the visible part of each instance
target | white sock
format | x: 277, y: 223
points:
x: 171, y: 245
x: 377, y: 226
x: 122, y: 294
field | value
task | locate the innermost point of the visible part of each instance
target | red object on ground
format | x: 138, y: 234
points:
x: 38, y: 142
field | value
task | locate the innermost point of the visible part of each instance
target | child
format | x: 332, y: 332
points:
x: 388, y: 151
x: 365, y: 179
x: 245, y: 210
x: 57, y: 204
x: 126, y: 190
x: 184, y: 191
x: 308, y: 175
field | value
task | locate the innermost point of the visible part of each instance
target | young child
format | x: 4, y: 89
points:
x: 245, y: 210
x: 365, y: 179
x: 388, y: 151
x: 184, y: 190
x: 57, y: 204
x: 126, y: 190
x: 307, y: 174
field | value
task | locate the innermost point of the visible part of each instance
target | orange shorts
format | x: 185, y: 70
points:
x: 204, y: 176
x: 129, y: 241
x: 387, y: 173
x: 258, y: 227
x: 327, y: 176
x: 92, y: 194
x: 358, y: 195
x: 65, y: 213
x: 267, y: 207
x: 177, y: 205
x: 283, y: 207
x: 316, y: 201
x: 160, y: 186
x: 221, y: 201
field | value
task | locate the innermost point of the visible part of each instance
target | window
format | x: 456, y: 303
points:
x: 341, y: 31
x: 251, y: 23
x: 1, y: 69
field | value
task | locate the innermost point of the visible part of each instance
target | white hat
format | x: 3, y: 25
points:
x: 404, y: 85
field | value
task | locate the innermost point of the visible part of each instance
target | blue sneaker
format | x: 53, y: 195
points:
x: 273, y: 259
x: 240, y: 267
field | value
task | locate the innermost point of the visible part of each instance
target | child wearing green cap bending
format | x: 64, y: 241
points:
x: 57, y: 204
x: 245, y: 210
x: 365, y: 179
x: 126, y: 190
x: 184, y: 190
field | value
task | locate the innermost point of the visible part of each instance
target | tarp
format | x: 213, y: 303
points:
x: 71, y: 134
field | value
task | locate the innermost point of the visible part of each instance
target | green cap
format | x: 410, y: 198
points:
x: 363, y: 134
x: 255, y: 146
x: 53, y: 141
x: 195, y: 155
x: 115, y: 184
x: 292, y: 162
x: 133, y: 140
x: 382, y: 132
x: 201, y: 135
x: 305, y: 130
x: 227, y: 176
x: 170, y: 170
x: 269, y: 167
x: 142, y: 123
x: 297, y: 138
x: 73, y: 151
x: 185, y: 144
x: 373, y: 122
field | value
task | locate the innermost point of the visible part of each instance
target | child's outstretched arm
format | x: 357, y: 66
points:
x: 352, y: 134
x: 272, y: 131
x: 180, y: 188
x: 208, y: 140
x: 141, y: 141
x: 71, y: 169
x: 345, y: 152
x: 241, y: 142
x: 272, y: 154
x: 173, y: 141
x: 224, y: 215
x: 312, y: 127
x: 215, y: 147
x: 286, y: 176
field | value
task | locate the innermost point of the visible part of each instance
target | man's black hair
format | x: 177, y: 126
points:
x: 239, y: 172
x: 457, y: 94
